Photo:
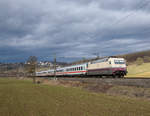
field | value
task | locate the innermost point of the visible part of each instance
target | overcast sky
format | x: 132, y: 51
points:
x: 73, y: 28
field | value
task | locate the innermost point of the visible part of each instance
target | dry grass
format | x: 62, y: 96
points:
x: 132, y: 92
x: 128, y: 91
x: 139, y: 70
x: 22, y: 98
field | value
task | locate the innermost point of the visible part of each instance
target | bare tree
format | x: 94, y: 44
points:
x: 31, y: 67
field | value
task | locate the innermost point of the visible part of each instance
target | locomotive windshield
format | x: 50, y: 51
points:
x: 119, y: 61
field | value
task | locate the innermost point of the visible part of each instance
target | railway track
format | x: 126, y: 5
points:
x: 138, y: 82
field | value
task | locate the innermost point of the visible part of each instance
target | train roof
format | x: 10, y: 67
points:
x: 76, y: 65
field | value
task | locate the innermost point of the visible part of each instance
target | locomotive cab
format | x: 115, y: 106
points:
x: 118, y: 66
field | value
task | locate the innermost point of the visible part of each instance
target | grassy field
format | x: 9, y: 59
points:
x: 139, y: 70
x: 22, y: 98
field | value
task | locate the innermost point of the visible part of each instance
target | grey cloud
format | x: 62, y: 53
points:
x: 74, y: 28
x: 124, y: 5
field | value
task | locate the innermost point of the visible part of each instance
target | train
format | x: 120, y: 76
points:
x: 110, y: 67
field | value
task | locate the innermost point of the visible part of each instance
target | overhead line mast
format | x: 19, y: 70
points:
x: 55, y: 66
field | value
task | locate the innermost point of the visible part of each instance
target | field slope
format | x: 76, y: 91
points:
x: 139, y: 70
x: 22, y: 98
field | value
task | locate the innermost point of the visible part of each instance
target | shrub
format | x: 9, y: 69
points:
x: 139, y: 61
x: 146, y: 59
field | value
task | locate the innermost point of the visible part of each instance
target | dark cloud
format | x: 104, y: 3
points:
x: 73, y: 28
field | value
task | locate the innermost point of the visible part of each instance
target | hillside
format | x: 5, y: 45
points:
x: 133, y: 56
x: 142, y: 70
x: 138, y: 64
x: 22, y: 98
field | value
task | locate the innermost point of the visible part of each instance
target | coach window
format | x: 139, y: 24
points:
x: 81, y: 68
